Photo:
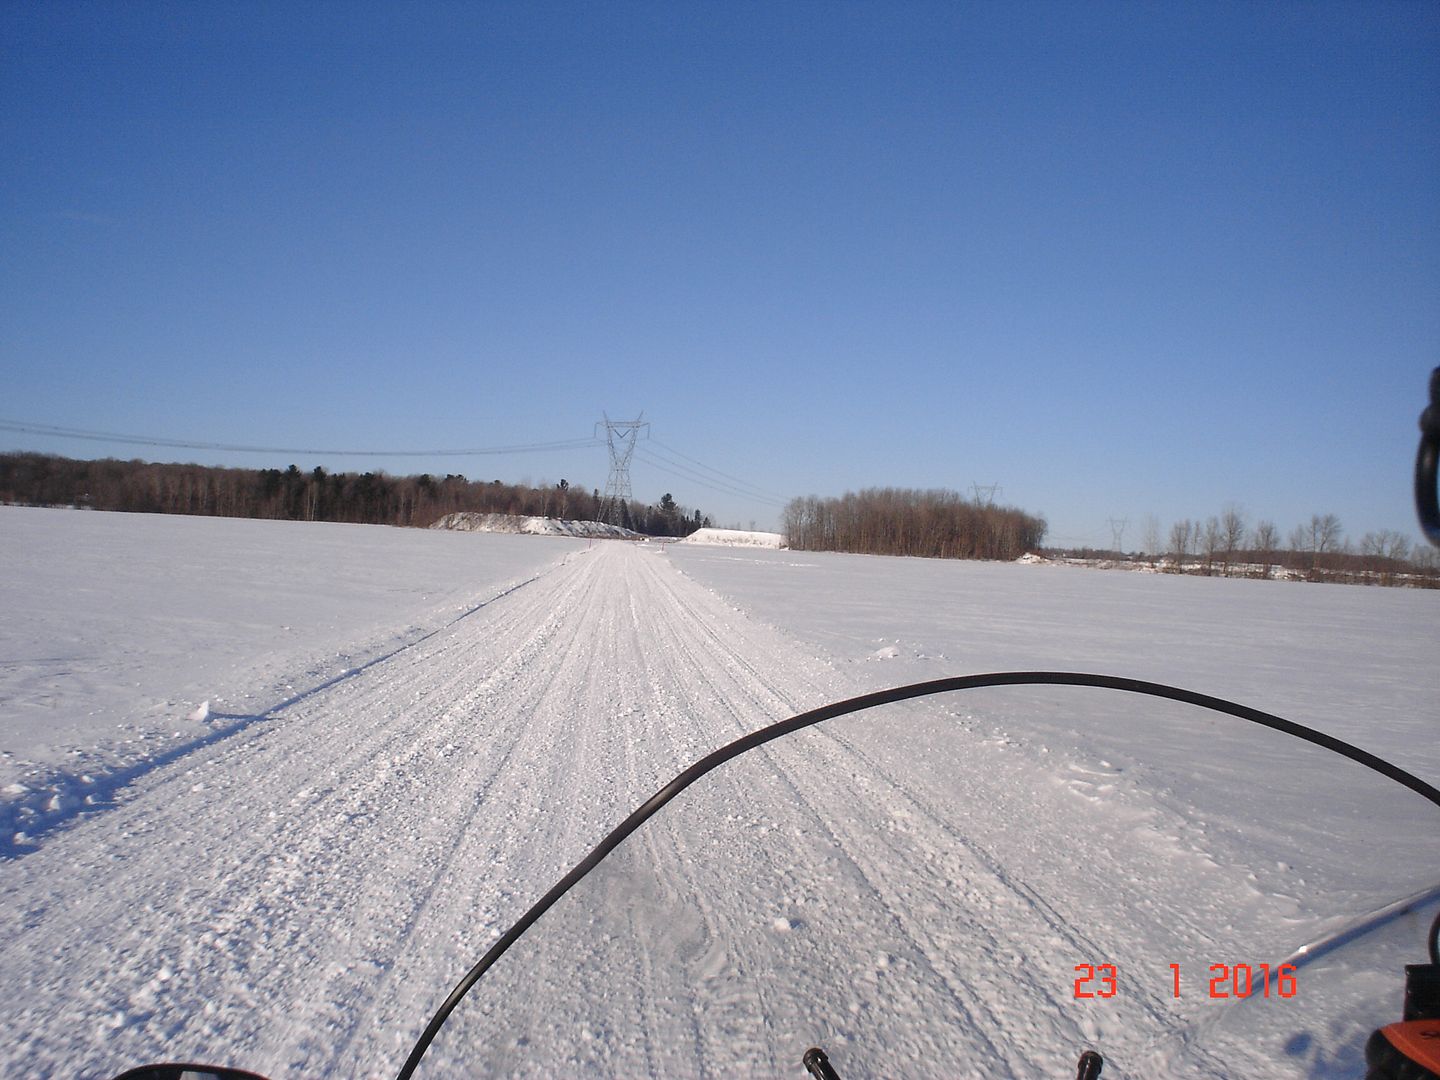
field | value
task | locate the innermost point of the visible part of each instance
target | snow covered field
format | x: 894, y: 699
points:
x: 1359, y: 663
x: 117, y: 627
x: 412, y: 734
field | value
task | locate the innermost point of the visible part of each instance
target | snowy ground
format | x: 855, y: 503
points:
x: 294, y: 885
x: 1358, y: 663
x: 118, y: 627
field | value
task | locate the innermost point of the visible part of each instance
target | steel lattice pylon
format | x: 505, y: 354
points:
x: 1117, y: 532
x: 620, y: 437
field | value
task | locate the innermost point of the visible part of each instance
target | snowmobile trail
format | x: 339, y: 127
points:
x: 694, y: 944
x: 297, y: 898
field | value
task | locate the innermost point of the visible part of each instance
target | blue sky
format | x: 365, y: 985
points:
x: 1120, y: 259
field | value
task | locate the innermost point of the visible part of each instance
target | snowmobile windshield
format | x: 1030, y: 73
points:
x: 985, y: 884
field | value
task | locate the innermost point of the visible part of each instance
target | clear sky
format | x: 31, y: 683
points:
x: 1121, y: 259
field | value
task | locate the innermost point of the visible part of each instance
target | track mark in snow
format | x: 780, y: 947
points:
x: 55, y: 799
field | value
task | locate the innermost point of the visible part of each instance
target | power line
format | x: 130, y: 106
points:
x: 624, y: 446
x: 184, y: 444
x: 692, y: 477
x: 674, y: 468
x: 742, y: 483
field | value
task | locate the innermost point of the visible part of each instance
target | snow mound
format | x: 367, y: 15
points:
x: 735, y: 538
x: 469, y: 521
x: 900, y: 650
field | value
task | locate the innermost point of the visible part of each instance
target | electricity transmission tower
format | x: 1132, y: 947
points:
x: 985, y: 494
x: 1117, y: 530
x: 620, y: 437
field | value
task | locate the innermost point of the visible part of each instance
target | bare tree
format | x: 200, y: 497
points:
x: 1212, y: 542
x: 1232, y: 529
x: 1265, y: 540
x: 1385, y: 552
x: 1324, y: 535
x: 1299, y: 540
x: 1326, y: 532
x: 1385, y: 544
x: 1320, y: 536
x: 1150, y: 538
x: 1426, y: 560
x: 1182, y: 535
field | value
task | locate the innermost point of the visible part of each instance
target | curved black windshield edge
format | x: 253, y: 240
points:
x: 908, y: 692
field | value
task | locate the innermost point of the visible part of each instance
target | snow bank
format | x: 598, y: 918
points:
x: 469, y: 521
x: 735, y: 538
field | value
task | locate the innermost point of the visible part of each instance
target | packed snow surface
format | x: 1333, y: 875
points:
x: 410, y: 735
x: 736, y: 538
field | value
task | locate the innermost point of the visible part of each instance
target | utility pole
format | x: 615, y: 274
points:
x: 620, y: 437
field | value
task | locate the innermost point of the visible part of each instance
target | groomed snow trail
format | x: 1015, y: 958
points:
x: 298, y: 897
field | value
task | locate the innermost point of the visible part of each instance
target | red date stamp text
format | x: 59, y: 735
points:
x: 1221, y: 981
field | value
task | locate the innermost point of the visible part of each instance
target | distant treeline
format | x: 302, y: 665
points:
x: 366, y: 498
x: 1226, y: 545
x: 899, y: 521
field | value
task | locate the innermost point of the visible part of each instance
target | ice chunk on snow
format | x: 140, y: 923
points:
x: 201, y: 713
